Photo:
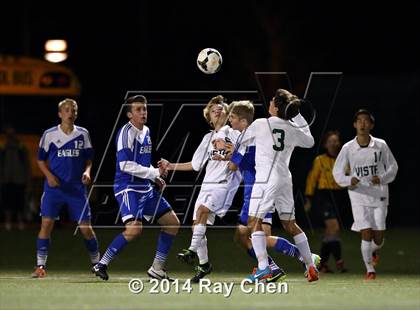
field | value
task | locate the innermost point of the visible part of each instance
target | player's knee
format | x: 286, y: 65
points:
x: 171, y: 225
x: 132, y: 231
x: 202, y: 210
x: 87, y: 231
x: 46, y: 226
x: 291, y: 227
x: 241, y: 236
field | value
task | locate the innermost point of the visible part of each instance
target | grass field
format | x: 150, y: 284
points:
x: 69, y: 284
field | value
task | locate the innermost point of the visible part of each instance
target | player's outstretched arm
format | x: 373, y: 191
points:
x: 133, y: 168
x: 305, y: 138
x: 51, y: 178
x: 165, y: 164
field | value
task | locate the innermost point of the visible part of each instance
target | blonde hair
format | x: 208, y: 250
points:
x: 214, y: 101
x: 67, y: 101
x: 244, y: 109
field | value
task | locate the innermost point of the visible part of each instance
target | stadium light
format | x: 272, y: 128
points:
x: 55, y: 57
x: 55, y: 50
x: 56, y: 46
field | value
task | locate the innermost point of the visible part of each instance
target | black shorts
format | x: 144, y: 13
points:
x: 332, y: 203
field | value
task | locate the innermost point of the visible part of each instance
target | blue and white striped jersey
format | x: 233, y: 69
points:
x: 66, y: 154
x: 134, y: 155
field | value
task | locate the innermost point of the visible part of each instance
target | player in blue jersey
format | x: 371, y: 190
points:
x: 65, y: 158
x: 241, y: 115
x: 138, y: 200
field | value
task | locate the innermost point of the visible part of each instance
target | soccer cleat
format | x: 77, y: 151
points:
x: 187, y: 256
x: 313, y: 274
x: 39, y: 272
x: 202, y: 271
x: 317, y: 262
x: 158, y: 274
x: 260, y: 275
x: 100, y: 271
x: 375, y: 259
x: 370, y: 276
x: 340, y: 266
x: 277, y: 275
x: 325, y: 269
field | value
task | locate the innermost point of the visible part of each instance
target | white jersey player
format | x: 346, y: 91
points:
x: 275, y: 139
x: 219, y: 185
x: 365, y: 165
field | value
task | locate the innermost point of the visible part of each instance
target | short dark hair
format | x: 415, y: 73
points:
x: 133, y: 99
x: 364, y: 112
x: 288, y: 104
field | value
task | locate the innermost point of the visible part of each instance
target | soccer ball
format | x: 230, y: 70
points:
x: 209, y: 61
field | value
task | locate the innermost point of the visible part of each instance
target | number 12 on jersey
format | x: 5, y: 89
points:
x: 279, y: 144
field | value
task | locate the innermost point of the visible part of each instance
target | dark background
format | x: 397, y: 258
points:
x: 149, y: 45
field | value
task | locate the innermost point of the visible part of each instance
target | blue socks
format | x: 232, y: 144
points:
x: 287, y: 248
x: 93, y: 249
x: 42, y: 246
x: 114, y: 248
x: 164, y: 245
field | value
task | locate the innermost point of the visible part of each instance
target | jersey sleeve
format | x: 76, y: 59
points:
x: 245, y: 139
x: 340, y: 167
x: 390, y: 164
x: 313, y: 177
x: 125, y: 158
x: 303, y: 133
x: 88, y: 149
x: 200, y: 155
x: 43, y: 147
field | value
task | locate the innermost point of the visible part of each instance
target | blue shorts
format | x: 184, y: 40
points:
x: 77, y: 203
x: 243, y: 216
x: 136, y: 205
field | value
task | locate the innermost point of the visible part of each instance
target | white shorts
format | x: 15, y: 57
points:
x: 217, y: 199
x: 269, y: 197
x: 368, y: 217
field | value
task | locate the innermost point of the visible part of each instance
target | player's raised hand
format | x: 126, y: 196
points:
x: 229, y: 147
x: 219, y: 144
x: 86, y: 180
x: 161, y: 183
x: 376, y: 180
x: 218, y: 157
x: 163, y: 163
x: 53, y: 181
x: 163, y: 172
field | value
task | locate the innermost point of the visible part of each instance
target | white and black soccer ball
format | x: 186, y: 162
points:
x: 209, y: 60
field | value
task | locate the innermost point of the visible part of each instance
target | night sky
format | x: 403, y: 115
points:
x: 150, y: 45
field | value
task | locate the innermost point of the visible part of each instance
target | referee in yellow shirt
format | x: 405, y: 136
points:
x: 329, y: 198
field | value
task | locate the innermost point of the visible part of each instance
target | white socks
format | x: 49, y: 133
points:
x: 202, y: 252
x: 259, y: 243
x: 376, y: 247
x: 366, y: 248
x: 302, y: 244
x: 199, y: 232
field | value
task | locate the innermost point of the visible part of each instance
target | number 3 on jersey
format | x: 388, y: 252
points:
x: 279, y: 134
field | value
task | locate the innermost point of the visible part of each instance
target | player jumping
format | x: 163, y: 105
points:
x: 241, y: 114
x: 275, y: 138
